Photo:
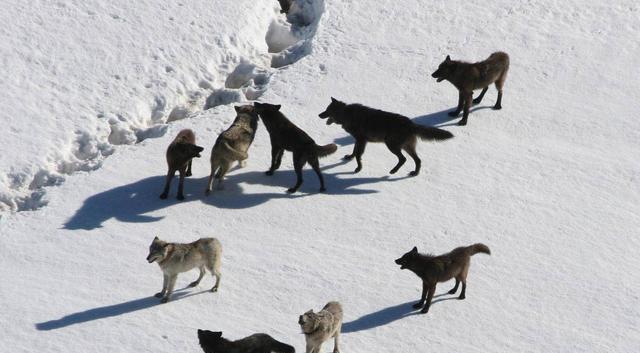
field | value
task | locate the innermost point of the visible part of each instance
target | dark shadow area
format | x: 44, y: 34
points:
x: 380, y: 317
x: 111, y: 311
x: 130, y: 203
x: 388, y: 315
x: 442, y: 118
x: 344, y: 140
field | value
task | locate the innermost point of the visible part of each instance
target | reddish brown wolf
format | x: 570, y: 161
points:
x: 179, y: 154
x: 433, y: 269
x: 467, y: 77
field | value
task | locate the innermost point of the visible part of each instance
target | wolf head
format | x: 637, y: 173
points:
x: 265, y: 107
x: 445, y: 70
x: 309, y: 322
x: 210, y: 340
x: 333, y: 112
x: 157, y: 250
x: 407, y: 259
x: 248, y: 114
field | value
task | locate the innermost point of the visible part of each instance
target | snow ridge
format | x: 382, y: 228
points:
x: 271, y: 41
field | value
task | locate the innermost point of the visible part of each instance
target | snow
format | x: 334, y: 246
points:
x: 94, y: 92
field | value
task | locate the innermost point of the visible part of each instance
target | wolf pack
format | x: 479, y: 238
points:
x: 365, y: 124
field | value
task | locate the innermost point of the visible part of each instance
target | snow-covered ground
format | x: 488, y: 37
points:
x: 551, y: 183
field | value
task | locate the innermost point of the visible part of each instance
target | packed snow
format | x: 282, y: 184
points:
x: 95, y: 91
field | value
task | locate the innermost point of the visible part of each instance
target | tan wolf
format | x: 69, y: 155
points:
x: 467, y: 76
x: 179, y: 155
x: 319, y: 327
x: 433, y: 269
x: 232, y: 144
x: 175, y: 258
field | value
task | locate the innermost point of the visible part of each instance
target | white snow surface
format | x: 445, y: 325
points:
x: 551, y: 183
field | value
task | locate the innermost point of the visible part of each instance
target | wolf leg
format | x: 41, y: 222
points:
x: 425, y: 289
x: 467, y: 104
x: 171, y: 283
x: 459, y: 108
x: 165, y: 281
x: 498, y: 105
x: 276, y: 152
x: 214, y: 168
x: 181, y: 184
x: 432, y: 289
x: 189, y: 169
x: 478, y: 99
x: 335, y: 343
x: 455, y: 288
x: 298, y: 162
x: 499, y: 85
x: 316, y: 168
x: 224, y: 168
x: 167, y: 184
x: 358, y: 151
x: 463, y: 293
x: 395, y: 149
x: 196, y: 282
x: 411, y: 150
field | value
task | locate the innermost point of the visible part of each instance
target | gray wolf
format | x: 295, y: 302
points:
x: 372, y: 125
x: 174, y: 258
x: 212, y: 342
x: 433, y: 269
x: 233, y: 144
x: 284, y: 135
x: 179, y: 154
x: 469, y: 76
x: 319, y: 327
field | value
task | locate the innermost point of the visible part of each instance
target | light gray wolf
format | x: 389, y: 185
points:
x: 233, y: 144
x: 175, y: 258
x: 179, y: 155
x: 372, y: 125
x: 212, y: 342
x: 433, y: 269
x: 285, y: 135
x: 319, y: 327
x: 469, y: 76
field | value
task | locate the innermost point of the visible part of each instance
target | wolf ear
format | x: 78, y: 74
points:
x: 277, y: 107
x: 237, y: 108
x: 156, y: 238
x: 217, y: 334
x: 415, y: 249
x: 334, y: 100
x: 448, y: 58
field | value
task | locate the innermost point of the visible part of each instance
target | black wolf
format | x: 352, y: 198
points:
x: 212, y: 342
x: 372, y: 125
x: 285, y: 135
x: 433, y: 269
x: 467, y: 77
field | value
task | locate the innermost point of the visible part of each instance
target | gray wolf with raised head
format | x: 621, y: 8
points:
x: 372, y: 125
x: 175, y: 258
x: 233, y: 144
x: 179, y: 155
x: 319, y: 327
x: 433, y: 269
x: 212, y: 342
x: 285, y: 135
x: 469, y: 76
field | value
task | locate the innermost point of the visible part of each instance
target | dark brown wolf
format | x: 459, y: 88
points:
x: 285, y: 135
x: 372, y: 125
x: 467, y: 77
x: 212, y: 342
x: 179, y: 154
x: 433, y: 269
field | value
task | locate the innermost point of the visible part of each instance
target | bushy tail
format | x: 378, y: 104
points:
x: 280, y: 347
x: 476, y: 248
x: 326, y: 150
x: 431, y: 133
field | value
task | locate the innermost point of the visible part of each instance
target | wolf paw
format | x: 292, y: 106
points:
x: 453, y: 291
x: 358, y: 169
x: 418, y: 305
x: 414, y: 173
x: 163, y: 196
x: 476, y: 101
x: 193, y: 284
x: 164, y: 300
x: 188, y: 174
x: 461, y: 297
x: 291, y: 190
x: 214, y: 289
x: 393, y: 171
x: 207, y: 192
x: 269, y: 172
x: 462, y: 122
x: 323, y: 189
x: 497, y: 107
x: 424, y: 311
x: 348, y: 157
x: 159, y: 295
x: 180, y: 197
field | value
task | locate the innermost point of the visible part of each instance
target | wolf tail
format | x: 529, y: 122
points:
x: 326, y: 150
x: 431, y: 133
x: 237, y: 155
x: 280, y: 347
x: 479, y: 247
